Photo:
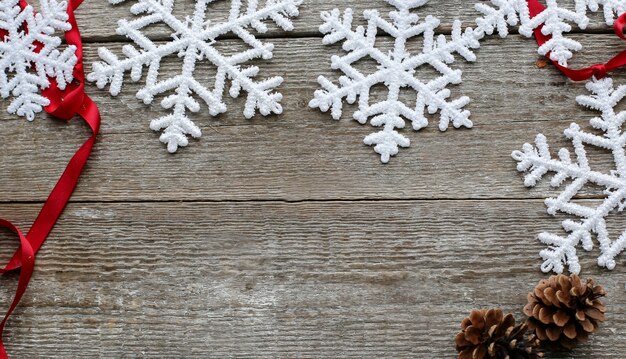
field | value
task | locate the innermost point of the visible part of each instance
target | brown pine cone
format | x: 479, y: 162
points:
x: 563, y: 310
x: 488, y: 334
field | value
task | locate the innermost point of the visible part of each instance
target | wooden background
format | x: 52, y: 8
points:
x: 285, y: 236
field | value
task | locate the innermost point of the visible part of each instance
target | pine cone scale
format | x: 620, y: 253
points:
x: 493, y: 317
x: 580, y: 315
x: 563, y: 296
x: 489, y: 334
x: 564, y: 310
x: 560, y: 318
x: 553, y: 332
x: 589, y: 325
x: 540, y: 332
x: 595, y: 313
x: 570, y: 331
x: 466, y: 354
x: 473, y: 335
x: 528, y: 308
x: 477, y: 319
x: 550, y: 295
x: 546, y: 314
x: 479, y: 352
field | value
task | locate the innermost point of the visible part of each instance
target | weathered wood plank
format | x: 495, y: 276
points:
x: 304, y: 154
x: 97, y: 27
x: 315, y: 279
x: 283, y: 167
x: 390, y: 277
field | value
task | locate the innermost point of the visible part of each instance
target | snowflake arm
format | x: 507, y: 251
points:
x: 192, y: 41
x: 397, y: 68
x: 612, y: 8
x: 499, y: 18
x: 537, y: 161
x: 32, y: 55
x: 555, y: 22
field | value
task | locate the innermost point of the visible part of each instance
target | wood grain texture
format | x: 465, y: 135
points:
x: 284, y: 237
x: 102, y: 27
x: 304, y: 154
x: 314, y: 279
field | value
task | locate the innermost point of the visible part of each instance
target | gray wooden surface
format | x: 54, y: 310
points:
x: 285, y: 236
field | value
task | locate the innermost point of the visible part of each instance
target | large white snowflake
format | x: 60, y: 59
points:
x: 555, y: 21
x: 29, y: 54
x: 537, y: 161
x: 398, y: 68
x: 193, y: 40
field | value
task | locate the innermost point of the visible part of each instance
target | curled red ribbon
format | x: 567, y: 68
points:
x: 598, y: 71
x: 64, y: 104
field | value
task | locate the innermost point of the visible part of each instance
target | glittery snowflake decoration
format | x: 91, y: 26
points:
x: 537, y: 162
x: 30, y: 56
x: 193, y: 41
x: 555, y: 21
x: 399, y: 68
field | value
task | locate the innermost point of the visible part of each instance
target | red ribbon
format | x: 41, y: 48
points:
x: 64, y: 104
x: 598, y: 71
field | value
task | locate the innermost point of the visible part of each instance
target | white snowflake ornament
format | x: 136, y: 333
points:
x: 555, y: 22
x: 612, y: 8
x: 29, y: 54
x: 398, y: 69
x: 537, y: 162
x: 193, y: 41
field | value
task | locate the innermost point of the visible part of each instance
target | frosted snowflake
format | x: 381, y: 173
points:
x: 398, y: 69
x: 555, y: 22
x: 193, y: 40
x: 537, y: 161
x: 29, y: 52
